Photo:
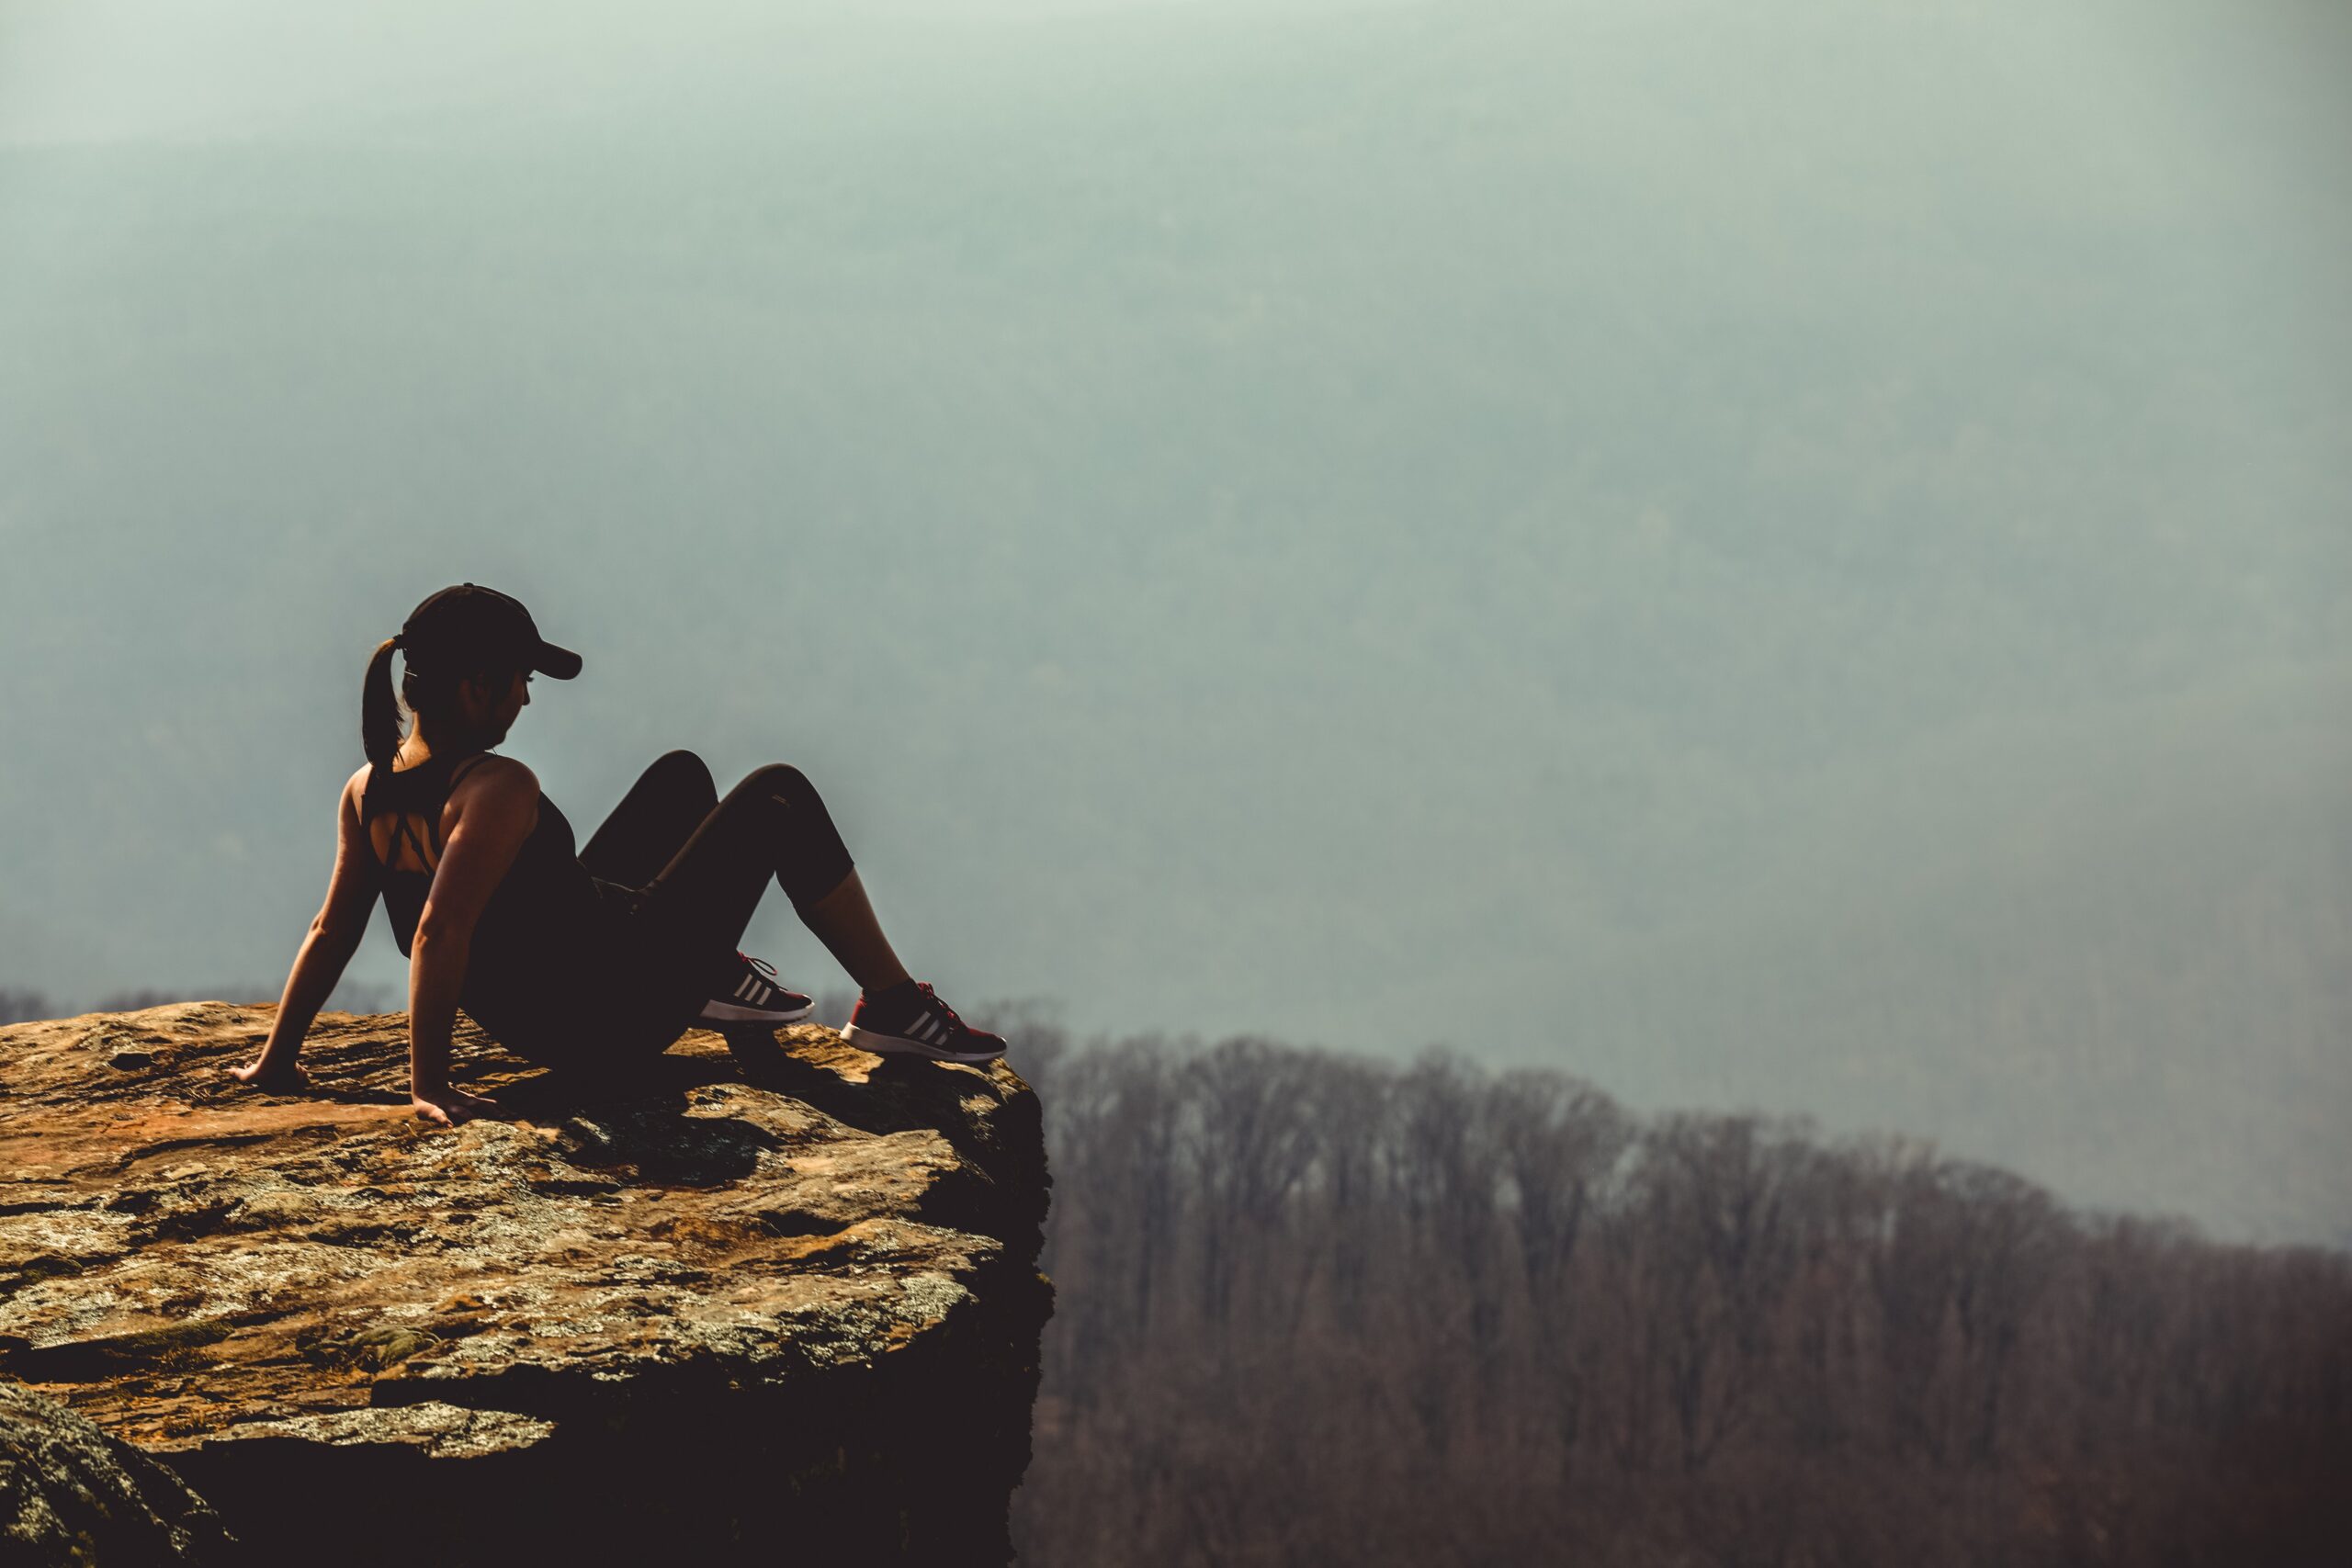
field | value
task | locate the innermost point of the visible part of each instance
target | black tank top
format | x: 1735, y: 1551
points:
x: 548, y: 924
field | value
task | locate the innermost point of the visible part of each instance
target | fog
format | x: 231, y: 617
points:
x: 1791, y: 556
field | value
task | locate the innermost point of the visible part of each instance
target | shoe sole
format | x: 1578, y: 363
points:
x: 899, y: 1045
x: 731, y: 1012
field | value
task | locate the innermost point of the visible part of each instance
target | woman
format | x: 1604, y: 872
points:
x: 594, y: 958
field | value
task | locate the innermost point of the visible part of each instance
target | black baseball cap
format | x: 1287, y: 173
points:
x: 467, y: 627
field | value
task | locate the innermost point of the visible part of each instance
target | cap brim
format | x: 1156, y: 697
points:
x: 559, y: 662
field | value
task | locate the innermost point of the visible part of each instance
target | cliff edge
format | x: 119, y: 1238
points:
x: 777, y: 1301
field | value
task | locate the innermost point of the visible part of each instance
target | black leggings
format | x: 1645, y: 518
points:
x: 698, y: 865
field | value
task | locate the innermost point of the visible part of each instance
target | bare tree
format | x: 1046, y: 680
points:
x: 1250, y: 1145
x: 1559, y: 1141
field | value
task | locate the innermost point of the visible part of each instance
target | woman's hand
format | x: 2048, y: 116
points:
x: 447, y: 1107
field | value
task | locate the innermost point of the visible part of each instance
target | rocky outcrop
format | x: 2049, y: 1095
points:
x: 71, y: 1494
x: 777, y: 1302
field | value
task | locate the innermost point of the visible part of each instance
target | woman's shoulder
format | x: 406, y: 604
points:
x: 488, y: 773
x: 498, y: 794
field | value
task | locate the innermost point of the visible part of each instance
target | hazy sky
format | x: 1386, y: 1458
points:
x: 1791, y: 556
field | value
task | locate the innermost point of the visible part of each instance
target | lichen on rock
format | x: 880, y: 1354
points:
x: 775, y: 1295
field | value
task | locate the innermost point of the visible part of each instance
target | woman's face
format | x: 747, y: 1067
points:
x: 490, y: 709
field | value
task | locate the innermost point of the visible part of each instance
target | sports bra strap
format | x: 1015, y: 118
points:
x: 404, y: 832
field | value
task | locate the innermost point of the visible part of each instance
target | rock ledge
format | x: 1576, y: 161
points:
x: 780, y: 1299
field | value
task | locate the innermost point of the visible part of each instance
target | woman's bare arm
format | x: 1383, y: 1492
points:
x: 335, y: 934
x: 497, y: 804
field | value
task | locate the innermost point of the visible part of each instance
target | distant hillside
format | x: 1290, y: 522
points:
x: 2124, y: 969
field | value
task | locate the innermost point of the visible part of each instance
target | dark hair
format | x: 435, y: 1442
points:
x: 382, y: 726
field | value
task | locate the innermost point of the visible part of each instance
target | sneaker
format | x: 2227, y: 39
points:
x: 757, y: 999
x: 913, y: 1021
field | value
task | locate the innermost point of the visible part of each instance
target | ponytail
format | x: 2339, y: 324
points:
x: 379, y: 711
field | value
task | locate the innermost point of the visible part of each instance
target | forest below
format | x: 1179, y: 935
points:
x: 1319, y: 1308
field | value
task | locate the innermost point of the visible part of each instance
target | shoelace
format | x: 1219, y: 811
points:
x: 955, y: 1026
x: 768, y: 969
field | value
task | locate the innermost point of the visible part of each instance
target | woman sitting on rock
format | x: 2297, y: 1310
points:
x: 594, y: 958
